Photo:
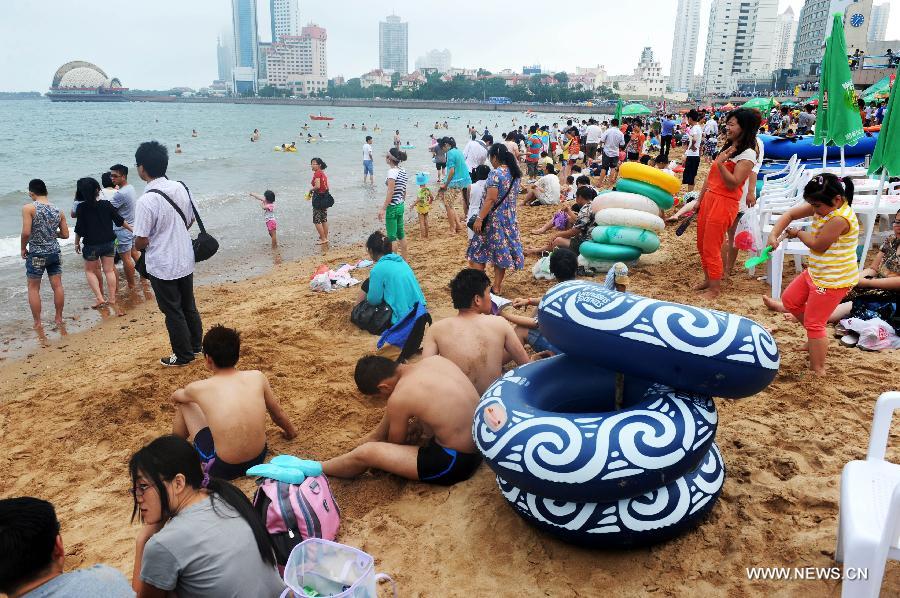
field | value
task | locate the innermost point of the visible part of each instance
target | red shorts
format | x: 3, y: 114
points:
x: 271, y: 225
x: 812, y: 305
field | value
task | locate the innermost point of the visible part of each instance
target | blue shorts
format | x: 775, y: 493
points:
x: 368, y: 167
x: 537, y: 342
x: 37, y: 263
x: 125, y: 240
x: 92, y: 253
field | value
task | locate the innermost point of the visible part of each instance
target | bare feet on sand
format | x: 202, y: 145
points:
x: 774, y: 304
x: 99, y: 304
x: 701, y: 286
x: 711, y: 294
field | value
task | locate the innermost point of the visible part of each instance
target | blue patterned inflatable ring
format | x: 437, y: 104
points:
x: 656, y: 516
x: 551, y: 428
x: 682, y: 346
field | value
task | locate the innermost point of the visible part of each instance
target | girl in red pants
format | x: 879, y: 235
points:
x: 721, y: 194
x: 833, y: 271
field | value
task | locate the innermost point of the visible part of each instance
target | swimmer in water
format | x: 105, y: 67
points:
x: 255, y: 136
x: 178, y: 147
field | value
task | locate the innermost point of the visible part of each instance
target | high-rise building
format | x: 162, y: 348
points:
x: 393, y: 44
x: 225, y: 58
x: 684, y: 47
x: 739, y: 45
x: 878, y: 22
x: 285, y: 15
x: 246, y: 45
x: 783, y: 47
x: 439, y: 60
x: 815, y: 26
x: 299, y: 62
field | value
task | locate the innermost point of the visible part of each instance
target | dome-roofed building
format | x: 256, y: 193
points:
x: 82, y: 81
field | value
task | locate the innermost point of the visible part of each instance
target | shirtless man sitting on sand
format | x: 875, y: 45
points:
x: 476, y: 341
x: 441, y: 399
x: 225, y: 415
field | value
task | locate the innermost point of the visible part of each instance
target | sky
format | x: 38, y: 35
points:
x: 168, y: 43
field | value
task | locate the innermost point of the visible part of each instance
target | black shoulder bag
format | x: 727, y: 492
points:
x: 205, y: 245
x: 471, y: 222
x: 374, y: 319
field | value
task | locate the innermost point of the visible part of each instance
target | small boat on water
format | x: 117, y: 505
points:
x: 320, y: 117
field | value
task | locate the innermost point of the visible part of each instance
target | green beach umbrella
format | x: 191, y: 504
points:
x: 618, y: 115
x: 789, y: 103
x: 760, y: 104
x: 885, y: 159
x: 880, y: 88
x: 837, y: 121
x: 635, y: 110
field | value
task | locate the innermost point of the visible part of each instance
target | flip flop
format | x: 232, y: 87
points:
x: 308, y: 467
x: 274, y: 472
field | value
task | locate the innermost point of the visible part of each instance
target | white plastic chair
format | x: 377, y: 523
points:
x: 775, y: 270
x: 869, y: 518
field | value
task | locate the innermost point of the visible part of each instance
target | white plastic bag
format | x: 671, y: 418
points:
x: 332, y: 569
x: 747, y: 235
x: 320, y: 282
x: 541, y: 269
x: 874, y: 334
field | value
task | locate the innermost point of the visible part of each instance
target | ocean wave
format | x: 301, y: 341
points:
x: 10, y: 247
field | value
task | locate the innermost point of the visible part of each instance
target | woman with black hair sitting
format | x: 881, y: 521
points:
x: 200, y: 535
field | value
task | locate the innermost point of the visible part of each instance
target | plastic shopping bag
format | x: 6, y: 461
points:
x: 874, y: 334
x: 747, y: 236
x: 541, y: 269
x: 319, y: 567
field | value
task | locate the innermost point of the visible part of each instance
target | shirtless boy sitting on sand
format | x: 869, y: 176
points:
x: 476, y: 341
x: 225, y: 415
x: 443, y: 401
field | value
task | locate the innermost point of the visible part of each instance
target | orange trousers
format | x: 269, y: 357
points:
x: 717, y: 214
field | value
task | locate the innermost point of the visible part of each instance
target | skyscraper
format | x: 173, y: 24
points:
x: 285, y: 18
x: 435, y: 59
x: 785, y: 33
x: 393, y: 44
x: 684, y: 47
x: 878, y: 22
x: 225, y: 56
x: 246, y: 45
x: 742, y: 44
x: 813, y: 28
x: 299, y: 62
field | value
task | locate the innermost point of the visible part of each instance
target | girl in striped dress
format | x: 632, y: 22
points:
x: 833, y: 270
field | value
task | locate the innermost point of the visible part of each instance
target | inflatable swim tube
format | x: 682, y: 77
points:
x: 646, y: 241
x: 407, y: 147
x: 600, y: 265
x: 628, y: 201
x: 635, y: 171
x: 783, y: 148
x: 661, y: 198
x: 606, y: 252
x: 656, y: 516
x: 551, y: 428
x: 634, y: 218
x: 682, y: 346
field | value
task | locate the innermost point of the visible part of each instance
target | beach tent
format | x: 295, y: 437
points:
x: 837, y: 121
x: 761, y: 104
x: 635, y: 110
x: 885, y: 160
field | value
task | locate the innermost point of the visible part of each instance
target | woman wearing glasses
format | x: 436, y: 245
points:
x: 200, y: 535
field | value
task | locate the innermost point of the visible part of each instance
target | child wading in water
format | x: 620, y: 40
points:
x: 319, y: 192
x: 832, y: 272
x: 424, y: 199
x: 267, y: 200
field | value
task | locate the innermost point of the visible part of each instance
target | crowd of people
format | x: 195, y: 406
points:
x: 199, y: 533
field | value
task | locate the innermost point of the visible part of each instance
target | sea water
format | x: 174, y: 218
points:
x: 62, y: 142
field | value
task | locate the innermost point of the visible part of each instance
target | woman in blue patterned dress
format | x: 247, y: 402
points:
x: 496, y: 239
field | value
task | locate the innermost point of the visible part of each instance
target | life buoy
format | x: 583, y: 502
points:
x: 663, y: 199
x: 608, y: 252
x: 635, y: 218
x: 636, y: 171
x: 620, y: 199
x: 682, y: 346
x: 644, y: 240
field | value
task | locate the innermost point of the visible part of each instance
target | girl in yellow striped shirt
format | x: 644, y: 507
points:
x: 832, y: 241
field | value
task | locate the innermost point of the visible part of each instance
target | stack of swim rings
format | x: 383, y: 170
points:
x: 611, y: 443
x: 628, y: 218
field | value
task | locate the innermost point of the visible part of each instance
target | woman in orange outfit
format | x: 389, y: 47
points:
x: 721, y: 194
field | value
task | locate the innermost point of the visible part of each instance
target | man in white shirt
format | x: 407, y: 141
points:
x: 368, y: 163
x: 613, y: 140
x: 692, y: 153
x: 475, y: 152
x: 592, y: 139
x: 711, y: 129
x: 162, y: 234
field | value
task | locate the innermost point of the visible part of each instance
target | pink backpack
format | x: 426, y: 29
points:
x: 295, y: 512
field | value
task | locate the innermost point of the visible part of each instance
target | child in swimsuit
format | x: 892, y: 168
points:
x: 267, y: 200
x: 424, y: 199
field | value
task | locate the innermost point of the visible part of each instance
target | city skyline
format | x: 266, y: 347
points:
x: 191, y: 60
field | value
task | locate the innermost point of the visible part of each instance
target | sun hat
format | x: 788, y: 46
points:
x: 421, y: 178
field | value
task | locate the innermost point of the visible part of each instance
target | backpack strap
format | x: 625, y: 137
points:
x: 283, y: 491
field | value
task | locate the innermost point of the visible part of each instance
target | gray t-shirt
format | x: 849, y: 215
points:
x: 805, y: 121
x: 206, y: 553
x: 99, y: 580
x: 124, y: 200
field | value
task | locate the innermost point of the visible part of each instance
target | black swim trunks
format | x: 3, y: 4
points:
x: 443, y: 466
x: 216, y: 467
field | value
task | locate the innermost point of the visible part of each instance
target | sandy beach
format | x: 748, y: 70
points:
x: 72, y: 414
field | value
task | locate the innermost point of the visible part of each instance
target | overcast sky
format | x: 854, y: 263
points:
x: 160, y: 44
